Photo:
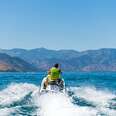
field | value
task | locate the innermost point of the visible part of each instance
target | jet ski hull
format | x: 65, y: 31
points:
x: 52, y: 88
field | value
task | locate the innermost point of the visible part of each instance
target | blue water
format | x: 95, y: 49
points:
x: 88, y: 94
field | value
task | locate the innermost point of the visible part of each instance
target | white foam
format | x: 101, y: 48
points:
x: 6, y: 111
x: 111, y: 112
x: 108, y: 112
x: 15, y: 92
x: 57, y: 104
x: 60, y: 105
x: 91, y: 94
x: 99, y: 98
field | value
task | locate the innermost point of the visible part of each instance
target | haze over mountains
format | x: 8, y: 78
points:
x: 41, y: 59
x: 8, y: 63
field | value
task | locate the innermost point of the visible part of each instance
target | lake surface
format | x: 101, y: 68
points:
x: 88, y: 94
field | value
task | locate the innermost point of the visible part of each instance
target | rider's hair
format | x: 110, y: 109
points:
x: 56, y: 65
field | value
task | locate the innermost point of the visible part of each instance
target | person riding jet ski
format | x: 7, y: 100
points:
x: 54, y: 78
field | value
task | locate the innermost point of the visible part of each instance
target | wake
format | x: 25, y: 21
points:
x: 23, y: 99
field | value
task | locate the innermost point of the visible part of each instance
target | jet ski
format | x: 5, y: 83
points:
x: 53, y: 86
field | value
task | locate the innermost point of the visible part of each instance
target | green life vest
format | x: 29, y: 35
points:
x: 55, y: 74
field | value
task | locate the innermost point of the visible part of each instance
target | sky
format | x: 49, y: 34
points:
x: 58, y: 24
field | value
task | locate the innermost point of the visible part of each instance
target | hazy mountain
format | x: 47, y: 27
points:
x: 90, y: 60
x: 8, y: 63
x: 40, y: 53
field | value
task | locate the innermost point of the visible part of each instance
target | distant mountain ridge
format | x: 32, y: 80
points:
x: 8, y: 63
x: 70, y: 60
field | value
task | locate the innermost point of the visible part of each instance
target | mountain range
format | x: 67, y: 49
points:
x: 8, y: 63
x: 41, y: 59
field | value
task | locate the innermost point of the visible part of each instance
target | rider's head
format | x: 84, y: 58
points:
x: 56, y: 65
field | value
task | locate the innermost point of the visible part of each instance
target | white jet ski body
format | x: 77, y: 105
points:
x: 52, y: 87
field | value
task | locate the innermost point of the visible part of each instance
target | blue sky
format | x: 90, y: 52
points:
x: 58, y: 24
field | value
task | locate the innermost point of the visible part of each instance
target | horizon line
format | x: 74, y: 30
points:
x: 28, y: 49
